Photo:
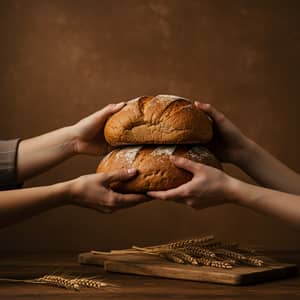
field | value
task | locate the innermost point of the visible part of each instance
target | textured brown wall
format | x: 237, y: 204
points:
x: 62, y: 60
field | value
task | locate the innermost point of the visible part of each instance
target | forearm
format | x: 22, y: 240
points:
x: 267, y: 170
x: 17, y: 205
x: 40, y: 153
x: 278, y: 204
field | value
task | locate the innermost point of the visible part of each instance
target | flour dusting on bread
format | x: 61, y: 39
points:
x: 170, y: 98
x: 196, y: 151
x: 129, y: 153
x: 155, y: 171
x: 164, y: 150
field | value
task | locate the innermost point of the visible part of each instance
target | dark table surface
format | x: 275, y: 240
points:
x: 130, y: 286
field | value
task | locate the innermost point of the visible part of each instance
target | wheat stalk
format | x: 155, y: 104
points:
x: 214, y: 263
x: 86, y: 282
x: 182, y: 243
x: 231, y: 261
x: 198, y: 251
x: 189, y: 242
x: 171, y: 257
x: 219, y: 254
x: 235, y: 246
x: 204, y: 250
x: 52, y: 280
x: 252, y: 260
x: 230, y: 254
x: 113, y: 252
x: 154, y: 251
x: 246, y: 250
x: 59, y: 281
x: 170, y: 253
x: 185, y: 257
x: 218, y: 244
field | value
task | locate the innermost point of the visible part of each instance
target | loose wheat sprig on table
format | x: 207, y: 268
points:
x: 61, y: 282
x: 202, y: 251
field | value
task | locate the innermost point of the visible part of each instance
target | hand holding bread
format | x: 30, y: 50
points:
x: 228, y: 142
x: 156, y: 171
x: 208, y: 186
x: 93, y: 191
x: 87, y: 134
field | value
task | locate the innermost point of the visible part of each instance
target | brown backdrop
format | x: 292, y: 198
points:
x: 62, y: 60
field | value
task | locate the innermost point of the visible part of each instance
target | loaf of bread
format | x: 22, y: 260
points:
x: 163, y: 119
x: 155, y: 170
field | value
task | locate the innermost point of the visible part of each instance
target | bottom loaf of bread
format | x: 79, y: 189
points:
x: 155, y: 170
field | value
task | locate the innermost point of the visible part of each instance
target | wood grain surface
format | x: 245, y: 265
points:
x: 149, y: 265
x: 130, y: 286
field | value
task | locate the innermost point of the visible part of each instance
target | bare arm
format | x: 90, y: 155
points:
x: 210, y: 187
x: 40, y: 153
x: 232, y: 146
x: 268, y: 171
x: 281, y: 205
x: 17, y: 205
x: 91, y: 191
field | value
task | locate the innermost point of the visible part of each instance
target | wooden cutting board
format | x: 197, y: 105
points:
x: 149, y: 265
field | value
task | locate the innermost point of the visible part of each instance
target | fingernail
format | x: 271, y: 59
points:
x: 119, y: 105
x: 131, y: 171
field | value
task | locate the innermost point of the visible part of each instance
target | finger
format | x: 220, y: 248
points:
x: 108, y: 110
x: 100, y: 208
x: 118, y: 175
x: 190, y: 202
x: 104, y: 209
x: 117, y: 106
x: 131, y: 198
x: 185, y: 163
x: 210, y: 110
x: 173, y: 194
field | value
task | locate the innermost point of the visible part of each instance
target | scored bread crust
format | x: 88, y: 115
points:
x: 163, y: 119
x: 155, y: 170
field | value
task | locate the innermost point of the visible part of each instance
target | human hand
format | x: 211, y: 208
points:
x: 228, y: 143
x: 208, y: 187
x: 88, y: 132
x: 93, y: 191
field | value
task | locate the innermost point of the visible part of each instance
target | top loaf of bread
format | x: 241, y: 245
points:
x: 163, y: 119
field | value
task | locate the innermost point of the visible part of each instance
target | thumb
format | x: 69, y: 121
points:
x: 114, y: 107
x: 210, y: 110
x: 108, y: 110
x: 119, y: 175
x: 95, y: 121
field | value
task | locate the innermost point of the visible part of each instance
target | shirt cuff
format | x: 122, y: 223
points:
x: 8, y: 164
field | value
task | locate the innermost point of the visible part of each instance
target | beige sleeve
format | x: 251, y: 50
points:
x: 8, y: 164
